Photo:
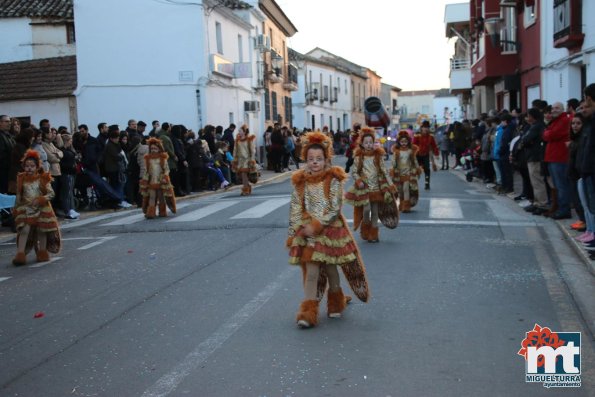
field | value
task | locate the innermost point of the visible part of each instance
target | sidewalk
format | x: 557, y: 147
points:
x: 266, y: 177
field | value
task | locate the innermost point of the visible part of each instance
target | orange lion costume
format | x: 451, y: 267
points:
x: 316, y: 206
x: 155, y: 185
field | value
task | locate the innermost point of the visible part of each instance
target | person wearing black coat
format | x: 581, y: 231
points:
x: 504, y: 162
x: 533, y: 151
x: 277, y: 149
x: 228, y: 136
x: 180, y: 181
x: 68, y: 169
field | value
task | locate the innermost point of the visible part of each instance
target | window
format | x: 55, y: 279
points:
x: 530, y: 15
x: 274, y: 105
x: 508, y: 32
x: 267, y: 104
x: 240, y: 49
x: 231, y: 120
x: 345, y: 86
x: 70, y: 36
x: 219, y: 37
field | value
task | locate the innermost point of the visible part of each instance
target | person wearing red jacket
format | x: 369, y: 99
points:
x: 557, y: 137
x: 427, y: 147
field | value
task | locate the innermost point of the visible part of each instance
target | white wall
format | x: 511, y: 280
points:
x: 135, y: 73
x: 417, y: 104
x: 15, y: 40
x: 50, y: 41
x: 561, y: 76
x: 55, y: 110
x: 450, y: 102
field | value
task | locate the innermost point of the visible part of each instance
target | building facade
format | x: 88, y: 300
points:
x: 324, y: 94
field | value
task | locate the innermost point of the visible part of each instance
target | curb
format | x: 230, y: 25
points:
x: 578, y: 249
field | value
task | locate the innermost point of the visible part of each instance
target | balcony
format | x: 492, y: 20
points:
x: 568, y: 24
x: 456, y: 18
x: 291, y: 82
x: 460, y: 74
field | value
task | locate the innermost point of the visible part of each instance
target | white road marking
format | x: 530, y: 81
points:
x: 461, y: 223
x: 262, y: 209
x: 4, y: 278
x: 42, y: 264
x: 83, y: 222
x: 203, y: 212
x: 502, y: 212
x: 445, y: 209
x: 128, y: 220
x: 168, y: 382
x: 96, y: 243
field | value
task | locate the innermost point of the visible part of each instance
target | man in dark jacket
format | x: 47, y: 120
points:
x: 6, y: 144
x: 115, y: 163
x: 228, y: 136
x: 533, y: 146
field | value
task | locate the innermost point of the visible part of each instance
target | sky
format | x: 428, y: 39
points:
x: 402, y: 40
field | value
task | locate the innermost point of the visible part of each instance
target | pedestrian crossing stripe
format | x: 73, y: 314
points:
x: 4, y: 278
x: 203, y: 212
x: 262, y: 209
x: 136, y: 217
x: 445, y: 209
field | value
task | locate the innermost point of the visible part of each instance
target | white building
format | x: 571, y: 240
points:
x: 323, y: 97
x: 37, y: 66
x: 567, y: 48
x: 437, y: 106
x: 389, y: 95
x: 191, y: 63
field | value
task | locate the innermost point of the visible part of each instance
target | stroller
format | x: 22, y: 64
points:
x: 6, y: 204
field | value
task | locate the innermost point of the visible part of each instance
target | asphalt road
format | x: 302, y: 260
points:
x: 203, y: 304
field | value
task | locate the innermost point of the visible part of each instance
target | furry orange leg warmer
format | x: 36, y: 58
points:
x: 365, y: 231
x: 162, y: 210
x: 373, y: 236
x: 336, y: 303
x: 308, y: 315
x: 150, y: 212
x: 19, y: 259
x: 43, y: 256
x: 405, y: 206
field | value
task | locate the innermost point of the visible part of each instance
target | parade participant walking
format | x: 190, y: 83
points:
x: 156, y: 187
x: 244, y: 162
x: 371, y: 185
x: 319, y: 238
x: 405, y: 171
x: 36, y: 223
x: 352, y: 141
x: 427, y: 146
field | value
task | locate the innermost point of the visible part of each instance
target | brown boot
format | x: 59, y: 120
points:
x: 373, y: 235
x: 43, y: 256
x: 249, y: 190
x: 162, y: 210
x: 19, y: 259
x: 365, y: 231
x: 150, y: 212
x: 244, y: 191
x: 308, y: 315
x: 336, y: 303
x: 554, y: 202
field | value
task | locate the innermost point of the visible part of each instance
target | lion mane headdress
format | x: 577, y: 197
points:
x: 317, y: 138
x: 364, y: 132
x: 157, y: 142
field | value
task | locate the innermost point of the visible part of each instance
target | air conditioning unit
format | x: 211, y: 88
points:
x: 251, y: 106
x: 262, y: 42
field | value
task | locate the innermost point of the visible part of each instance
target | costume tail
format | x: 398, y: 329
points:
x: 358, y: 215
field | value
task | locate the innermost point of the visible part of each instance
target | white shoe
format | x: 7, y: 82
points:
x: 125, y: 204
x: 74, y: 214
x: 303, y: 324
x: 224, y: 184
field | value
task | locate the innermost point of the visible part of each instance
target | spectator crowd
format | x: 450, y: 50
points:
x: 551, y: 147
